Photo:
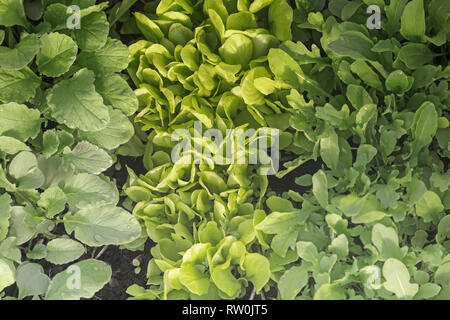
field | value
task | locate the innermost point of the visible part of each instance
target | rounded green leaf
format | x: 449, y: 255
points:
x: 280, y: 19
x: 94, y: 31
x: 18, y: 121
x: 118, y: 131
x: 257, y: 270
x: 12, y: 146
x: 31, y: 280
x: 112, y: 57
x: 12, y: 13
x: 225, y: 281
x: 57, y: 55
x: 18, y: 85
x: 320, y: 188
x: 330, y: 292
x: 103, y: 225
x: 53, y: 200
x: 415, y: 55
x: 80, y: 280
x: 194, y: 280
x: 87, y: 158
x: 292, y: 282
x: 75, y: 103
x: 442, y: 275
x: 24, y: 168
x: 397, y: 279
x: 117, y: 93
x: 85, y: 190
x: 21, y: 55
x: 7, y: 274
x: 429, y: 207
x: 237, y: 50
x: 398, y: 82
x: 62, y: 251
x: 149, y: 29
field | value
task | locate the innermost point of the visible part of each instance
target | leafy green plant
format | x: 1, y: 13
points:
x: 64, y: 111
x: 368, y: 103
x: 372, y: 105
x: 372, y: 225
x: 208, y: 65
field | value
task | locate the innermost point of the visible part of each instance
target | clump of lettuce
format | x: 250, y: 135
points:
x: 205, y: 61
x: 375, y: 223
x: 64, y: 110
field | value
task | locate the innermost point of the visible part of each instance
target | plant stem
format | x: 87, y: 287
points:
x: 102, y: 251
x: 252, y: 295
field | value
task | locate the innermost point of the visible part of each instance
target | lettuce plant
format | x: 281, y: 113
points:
x: 64, y: 111
x: 206, y: 62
